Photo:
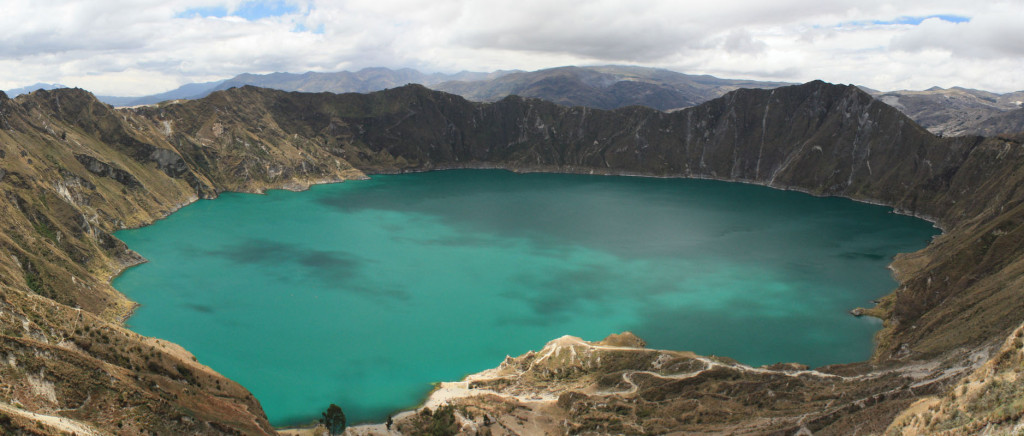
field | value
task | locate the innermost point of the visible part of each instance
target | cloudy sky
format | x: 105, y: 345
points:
x: 138, y: 47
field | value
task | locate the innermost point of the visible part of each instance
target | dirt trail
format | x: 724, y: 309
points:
x: 576, y: 350
x: 63, y: 424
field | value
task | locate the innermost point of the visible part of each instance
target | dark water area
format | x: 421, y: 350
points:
x: 365, y: 292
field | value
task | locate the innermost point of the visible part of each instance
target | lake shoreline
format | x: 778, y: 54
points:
x: 612, y: 232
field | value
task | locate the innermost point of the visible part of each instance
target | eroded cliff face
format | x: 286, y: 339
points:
x: 73, y: 170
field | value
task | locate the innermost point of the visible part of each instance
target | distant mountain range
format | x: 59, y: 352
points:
x: 959, y: 111
x: 27, y: 89
x: 949, y: 112
x: 365, y: 80
x: 190, y: 91
x: 606, y: 87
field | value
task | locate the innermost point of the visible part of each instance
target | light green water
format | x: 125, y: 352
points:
x: 365, y: 292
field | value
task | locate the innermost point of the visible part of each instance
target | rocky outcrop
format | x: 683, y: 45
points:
x: 64, y: 193
x: 104, y: 169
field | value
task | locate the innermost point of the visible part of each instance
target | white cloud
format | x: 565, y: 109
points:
x: 740, y: 41
x: 123, y: 47
x: 997, y: 33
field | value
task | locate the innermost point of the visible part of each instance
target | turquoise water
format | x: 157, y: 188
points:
x: 365, y: 292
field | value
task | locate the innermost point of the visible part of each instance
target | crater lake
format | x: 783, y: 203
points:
x: 363, y: 293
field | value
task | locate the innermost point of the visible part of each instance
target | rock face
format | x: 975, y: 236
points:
x: 74, y: 170
x: 104, y: 169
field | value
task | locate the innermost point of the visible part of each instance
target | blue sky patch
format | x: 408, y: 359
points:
x: 262, y: 9
x: 917, y: 20
x: 212, y: 11
x: 253, y: 10
x: 301, y: 28
x: 903, y: 21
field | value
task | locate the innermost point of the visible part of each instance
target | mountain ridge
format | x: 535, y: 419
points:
x: 959, y: 111
x: 27, y: 89
x: 635, y: 85
x: 604, y: 87
x: 950, y: 112
x: 365, y: 80
x: 66, y: 158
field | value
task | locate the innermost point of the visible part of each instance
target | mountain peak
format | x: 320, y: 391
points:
x: 76, y: 93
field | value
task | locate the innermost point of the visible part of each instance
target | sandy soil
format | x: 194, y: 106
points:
x: 60, y: 423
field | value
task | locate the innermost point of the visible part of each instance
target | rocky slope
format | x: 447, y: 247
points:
x: 988, y: 401
x: 72, y: 170
x: 1003, y: 122
x: 960, y: 111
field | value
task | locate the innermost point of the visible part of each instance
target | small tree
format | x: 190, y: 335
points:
x: 334, y: 420
x: 389, y: 422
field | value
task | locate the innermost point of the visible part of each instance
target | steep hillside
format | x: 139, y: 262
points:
x: 73, y: 170
x: 1008, y: 121
x: 958, y: 111
x: 988, y: 401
